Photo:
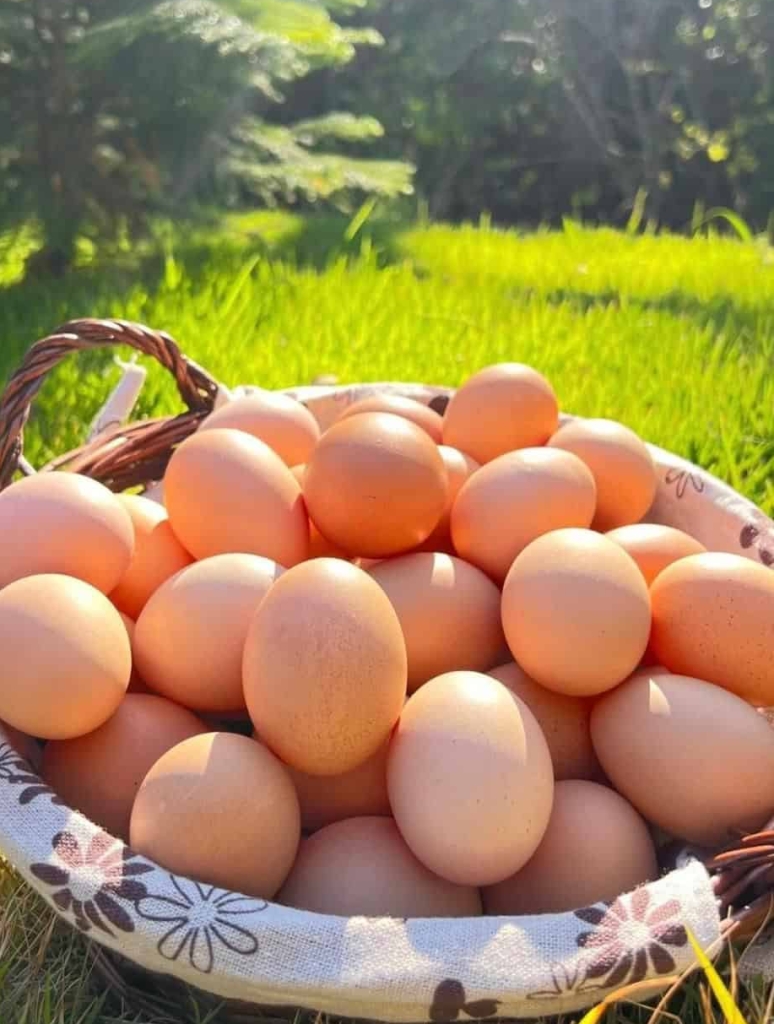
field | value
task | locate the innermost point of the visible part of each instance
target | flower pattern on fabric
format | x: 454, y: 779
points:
x: 565, y: 979
x: 202, y: 919
x: 748, y: 536
x: 91, y: 881
x: 15, y: 770
x: 631, y: 938
x: 450, y: 1000
x: 439, y: 403
x: 682, y: 480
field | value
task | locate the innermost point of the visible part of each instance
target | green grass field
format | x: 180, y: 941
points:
x: 673, y: 336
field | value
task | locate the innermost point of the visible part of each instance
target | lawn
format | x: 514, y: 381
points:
x: 673, y: 336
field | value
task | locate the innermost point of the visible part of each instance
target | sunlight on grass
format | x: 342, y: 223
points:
x: 690, y: 373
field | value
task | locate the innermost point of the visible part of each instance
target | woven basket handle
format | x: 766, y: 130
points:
x: 196, y: 387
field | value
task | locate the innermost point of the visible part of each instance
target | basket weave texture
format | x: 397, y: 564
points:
x: 156, y: 932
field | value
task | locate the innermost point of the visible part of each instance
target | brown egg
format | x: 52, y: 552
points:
x: 28, y: 748
x: 693, y: 758
x: 190, y: 637
x: 136, y: 685
x: 459, y: 467
x: 67, y: 524
x: 499, y: 409
x: 563, y: 720
x: 319, y: 546
x: 229, y: 492
x: 66, y: 658
x: 424, y: 417
x: 713, y: 618
x: 325, y: 667
x: 470, y: 779
x: 516, y: 498
x: 221, y: 809
x: 449, y: 612
x: 99, y: 774
x: 595, y: 848
x: 281, y: 422
x: 327, y: 798
x: 158, y: 554
x: 654, y: 547
x: 623, y: 468
x: 576, y: 612
x: 376, y: 485
x: 363, y: 867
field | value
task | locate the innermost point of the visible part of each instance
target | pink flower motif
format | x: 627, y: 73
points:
x: 90, y: 882
x: 631, y: 938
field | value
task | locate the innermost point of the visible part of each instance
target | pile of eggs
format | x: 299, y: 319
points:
x: 414, y: 665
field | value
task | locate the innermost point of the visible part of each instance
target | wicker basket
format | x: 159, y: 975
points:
x: 156, y: 933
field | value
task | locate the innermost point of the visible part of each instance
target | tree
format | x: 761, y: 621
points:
x: 530, y: 109
x: 112, y: 111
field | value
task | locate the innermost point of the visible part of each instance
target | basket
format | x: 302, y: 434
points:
x: 155, y: 933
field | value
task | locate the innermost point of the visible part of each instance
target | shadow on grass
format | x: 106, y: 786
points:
x: 33, y: 307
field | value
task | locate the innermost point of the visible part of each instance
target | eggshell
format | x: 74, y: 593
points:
x: 226, y: 491
x: 28, y: 748
x: 424, y: 417
x: 499, y: 409
x: 281, y: 422
x: 576, y: 612
x: 324, y: 799
x: 319, y: 546
x: 189, y: 639
x: 136, y: 684
x: 66, y: 659
x: 713, y: 618
x: 595, y: 848
x: 693, y: 758
x: 623, y: 468
x: 67, y: 524
x: 564, y: 721
x: 221, y: 809
x: 158, y: 554
x: 470, y: 779
x: 653, y: 547
x: 325, y: 667
x: 376, y: 485
x: 449, y: 612
x: 99, y: 774
x: 459, y: 467
x: 514, y: 499
x: 363, y: 867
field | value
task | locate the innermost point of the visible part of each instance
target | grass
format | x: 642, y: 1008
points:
x: 673, y: 336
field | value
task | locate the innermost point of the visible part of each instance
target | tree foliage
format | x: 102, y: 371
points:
x: 533, y: 108
x: 112, y: 111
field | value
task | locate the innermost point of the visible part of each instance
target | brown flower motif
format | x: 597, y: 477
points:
x: 682, y: 479
x: 565, y: 979
x: 748, y: 536
x: 91, y: 881
x: 202, y: 918
x: 439, y: 403
x: 15, y: 770
x: 631, y: 937
x: 450, y: 1000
